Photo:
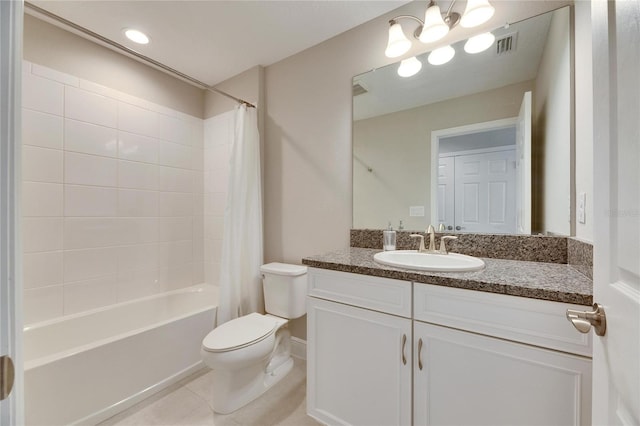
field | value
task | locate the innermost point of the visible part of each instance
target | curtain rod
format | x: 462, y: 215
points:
x: 129, y: 51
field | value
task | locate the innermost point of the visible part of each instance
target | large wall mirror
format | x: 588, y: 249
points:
x: 479, y: 144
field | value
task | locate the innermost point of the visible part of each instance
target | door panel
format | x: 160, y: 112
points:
x: 446, y: 191
x: 523, y: 166
x: 11, y: 13
x: 616, y: 355
x: 485, y: 192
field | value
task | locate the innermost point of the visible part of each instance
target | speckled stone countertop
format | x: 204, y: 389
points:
x: 547, y: 281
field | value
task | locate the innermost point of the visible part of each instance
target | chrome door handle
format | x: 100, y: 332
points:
x: 420, y: 354
x: 584, y: 320
x: 404, y: 343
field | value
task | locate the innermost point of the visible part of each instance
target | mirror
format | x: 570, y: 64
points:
x: 479, y: 144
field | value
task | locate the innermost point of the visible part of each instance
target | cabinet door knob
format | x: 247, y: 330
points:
x: 420, y: 354
x: 404, y: 343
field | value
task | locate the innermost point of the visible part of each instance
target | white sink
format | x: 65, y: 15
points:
x: 411, y: 259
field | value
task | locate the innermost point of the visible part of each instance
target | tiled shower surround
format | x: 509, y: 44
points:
x: 113, y: 197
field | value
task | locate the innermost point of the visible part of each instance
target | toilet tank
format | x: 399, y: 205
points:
x: 285, y: 289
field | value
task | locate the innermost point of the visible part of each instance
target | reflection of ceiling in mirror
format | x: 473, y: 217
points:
x: 466, y: 74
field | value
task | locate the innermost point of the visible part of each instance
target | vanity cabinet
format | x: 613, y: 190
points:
x: 358, y: 360
x: 471, y: 357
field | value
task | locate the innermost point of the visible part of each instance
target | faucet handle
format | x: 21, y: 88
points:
x: 443, y: 240
x: 441, y: 227
x: 421, y: 248
x: 430, y: 229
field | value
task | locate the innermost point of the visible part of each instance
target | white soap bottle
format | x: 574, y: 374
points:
x: 389, y: 239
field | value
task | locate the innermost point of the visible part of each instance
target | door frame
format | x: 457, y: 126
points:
x: 436, y: 135
x: 11, y: 33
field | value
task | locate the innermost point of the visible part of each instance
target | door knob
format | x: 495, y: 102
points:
x: 459, y: 228
x: 7, y: 376
x: 584, y: 320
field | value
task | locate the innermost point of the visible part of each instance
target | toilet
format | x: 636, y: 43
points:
x: 250, y: 354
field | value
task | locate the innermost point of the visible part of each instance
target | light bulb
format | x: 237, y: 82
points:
x: 136, y: 36
x: 476, y: 13
x: 398, y: 43
x: 409, y: 67
x: 434, y: 26
x: 441, y: 56
x: 479, y: 43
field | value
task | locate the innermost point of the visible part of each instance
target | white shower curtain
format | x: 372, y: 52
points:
x: 240, y: 278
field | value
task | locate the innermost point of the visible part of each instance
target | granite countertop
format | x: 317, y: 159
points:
x: 547, y: 281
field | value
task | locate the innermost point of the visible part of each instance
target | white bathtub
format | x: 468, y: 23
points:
x: 87, y: 367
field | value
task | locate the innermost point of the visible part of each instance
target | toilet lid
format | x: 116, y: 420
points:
x: 239, y: 332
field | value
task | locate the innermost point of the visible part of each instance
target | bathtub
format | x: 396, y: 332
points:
x: 85, y: 368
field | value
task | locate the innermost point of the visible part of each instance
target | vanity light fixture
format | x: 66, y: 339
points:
x: 479, y: 43
x: 476, y: 13
x: 436, y: 25
x: 409, y: 67
x: 136, y: 36
x: 441, y: 55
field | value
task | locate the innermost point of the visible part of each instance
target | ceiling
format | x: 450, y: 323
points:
x: 215, y: 40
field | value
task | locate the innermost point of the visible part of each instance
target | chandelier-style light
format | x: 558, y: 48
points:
x: 436, y: 25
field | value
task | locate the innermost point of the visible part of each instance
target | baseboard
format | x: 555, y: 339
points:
x: 298, y: 348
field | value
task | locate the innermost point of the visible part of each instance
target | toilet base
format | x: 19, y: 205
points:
x: 235, y: 389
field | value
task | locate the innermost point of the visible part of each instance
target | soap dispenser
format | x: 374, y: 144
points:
x: 389, y: 239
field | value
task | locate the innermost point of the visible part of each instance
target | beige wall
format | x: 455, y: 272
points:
x: 48, y: 45
x: 584, y: 115
x: 552, y: 135
x: 308, y: 132
x: 307, y: 146
x: 397, y: 147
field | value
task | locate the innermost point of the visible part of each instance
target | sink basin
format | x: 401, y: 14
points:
x: 411, y: 259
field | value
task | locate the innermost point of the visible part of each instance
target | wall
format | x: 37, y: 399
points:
x: 584, y: 116
x: 218, y: 141
x: 307, y: 148
x: 308, y: 131
x: 48, y: 45
x: 552, y: 121
x: 397, y: 147
x: 112, y: 196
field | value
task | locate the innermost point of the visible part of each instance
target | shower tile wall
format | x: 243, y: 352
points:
x: 218, y: 139
x: 113, y: 196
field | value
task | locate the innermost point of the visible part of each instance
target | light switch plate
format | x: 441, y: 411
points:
x: 582, y: 205
x: 416, y: 211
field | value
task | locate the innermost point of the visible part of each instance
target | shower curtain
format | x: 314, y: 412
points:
x: 240, y: 277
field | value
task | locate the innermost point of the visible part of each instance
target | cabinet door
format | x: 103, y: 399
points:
x: 358, y: 369
x: 463, y: 378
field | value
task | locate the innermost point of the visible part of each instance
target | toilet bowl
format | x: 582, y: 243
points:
x: 250, y: 354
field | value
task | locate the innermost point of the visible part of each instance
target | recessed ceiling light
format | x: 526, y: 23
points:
x: 136, y: 36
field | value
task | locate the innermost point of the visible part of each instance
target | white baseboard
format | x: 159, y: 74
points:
x: 298, y: 348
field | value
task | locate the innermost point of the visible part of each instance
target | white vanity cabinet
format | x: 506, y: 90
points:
x: 477, y: 358
x: 493, y: 359
x: 358, y: 359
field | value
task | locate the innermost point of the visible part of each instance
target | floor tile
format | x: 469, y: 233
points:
x: 189, y: 403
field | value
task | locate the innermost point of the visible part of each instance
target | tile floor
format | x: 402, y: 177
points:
x: 188, y: 403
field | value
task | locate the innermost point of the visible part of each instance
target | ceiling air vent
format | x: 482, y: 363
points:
x: 359, y: 89
x: 506, y: 43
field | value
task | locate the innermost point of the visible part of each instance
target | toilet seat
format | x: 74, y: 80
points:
x: 239, y: 333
